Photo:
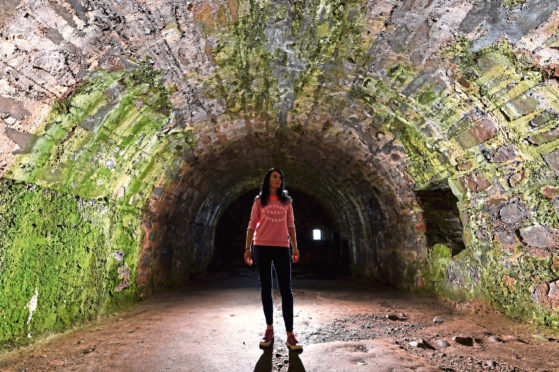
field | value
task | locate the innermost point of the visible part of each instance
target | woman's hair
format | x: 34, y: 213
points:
x: 265, y: 188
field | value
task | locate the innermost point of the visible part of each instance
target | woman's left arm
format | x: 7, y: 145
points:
x: 293, y: 239
x: 291, y: 231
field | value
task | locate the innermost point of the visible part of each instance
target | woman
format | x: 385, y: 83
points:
x: 272, y: 227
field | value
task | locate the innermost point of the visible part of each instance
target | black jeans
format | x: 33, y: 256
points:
x: 264, y: 255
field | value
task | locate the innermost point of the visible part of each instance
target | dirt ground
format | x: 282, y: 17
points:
x: 216, y: 322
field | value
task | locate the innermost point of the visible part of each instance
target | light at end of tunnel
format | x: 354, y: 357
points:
x: 317, y: 234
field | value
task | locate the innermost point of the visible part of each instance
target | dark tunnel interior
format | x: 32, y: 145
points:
x: 324, y: 253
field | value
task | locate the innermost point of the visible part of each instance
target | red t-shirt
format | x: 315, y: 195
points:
x: 270, y: 223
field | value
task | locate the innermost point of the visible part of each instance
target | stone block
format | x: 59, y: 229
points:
x: 539, y: 293
x: 465, y: 83
x: 114, y: 62
x: 502, y: 154
x: 542, y: 119
x: 547, y: 294
x: 544, y: 137
x: 540, y: 236
x: 22, y: 139
x: 481, y: 131
x: 495, y: 200
x: 457, y: 188
x: 550, y: 192
x: 487, y: 62
x: 508, y: 281
x: 507, y: 239
x: 544, y: 253
x: 553, y: 68
x: 476, y: 182
x: 553, y: 290
x: 552, y: 160
x: 464, y: 166
x: 12, y: 107
x: 519, y: 107
x: 513, y: 213
x: 517, y: 177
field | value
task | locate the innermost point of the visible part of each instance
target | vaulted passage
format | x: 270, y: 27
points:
x: 420, y: 137
x: 185, y: 224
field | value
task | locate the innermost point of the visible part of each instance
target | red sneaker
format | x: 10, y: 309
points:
x: 268, y: 338
x: 292, y: 343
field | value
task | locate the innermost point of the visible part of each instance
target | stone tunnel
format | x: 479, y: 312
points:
x: 424, y: 134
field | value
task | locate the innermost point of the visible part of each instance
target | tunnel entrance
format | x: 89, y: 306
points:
x: 324, y: 253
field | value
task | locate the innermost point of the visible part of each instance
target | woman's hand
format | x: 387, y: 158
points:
x: 248, y: 257
x: 293, y: 240
x: 295, y: 255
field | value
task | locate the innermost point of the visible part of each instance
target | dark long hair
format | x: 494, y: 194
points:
x: 265, y: 188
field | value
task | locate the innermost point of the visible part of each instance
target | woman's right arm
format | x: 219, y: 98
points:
x: 254, y: 218
x: 250, y: 235
x: 247, y: 255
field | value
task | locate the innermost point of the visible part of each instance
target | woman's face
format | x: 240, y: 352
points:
x: 275, y: 180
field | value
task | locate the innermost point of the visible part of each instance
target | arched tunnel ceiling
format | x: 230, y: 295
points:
x: 160, y: 113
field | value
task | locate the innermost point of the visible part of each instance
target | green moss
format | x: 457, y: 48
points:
x: 513, y: 295
x: 91, y: 170
x: 485, y: 271
x: 439, y: 265
x: 401, y: 73
x: 496, y: 65
x: 433, y: 269
x: 66, y: 258
x: 509, y: 4
x: 110, y: 143
x: 426, y: 97
x: 255, y: 72
x: 459, y: 50
x: 427, y: 165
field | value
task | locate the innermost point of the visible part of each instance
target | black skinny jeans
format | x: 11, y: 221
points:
x: 264, y: 255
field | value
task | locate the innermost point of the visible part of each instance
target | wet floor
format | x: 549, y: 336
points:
x: 216, y: 322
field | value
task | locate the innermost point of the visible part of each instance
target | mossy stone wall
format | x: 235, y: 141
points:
x: 72, y: 205
x: 506, y: 183
x: 72, y: 257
